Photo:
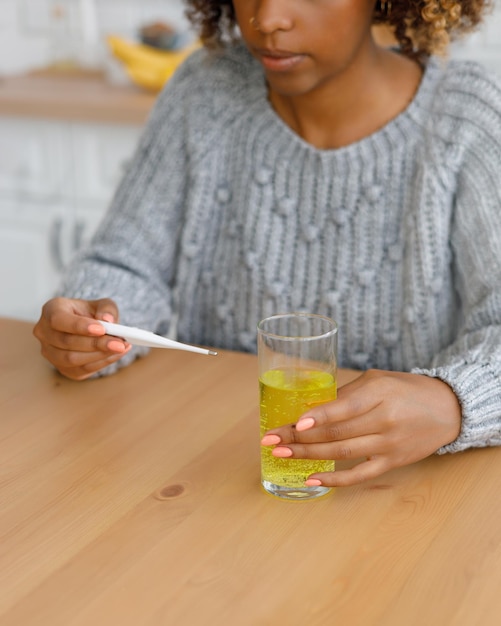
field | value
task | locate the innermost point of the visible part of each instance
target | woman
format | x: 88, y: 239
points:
x: 295, y: 164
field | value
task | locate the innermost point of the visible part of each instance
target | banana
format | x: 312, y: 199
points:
x: 145, y: 65
x: 147, y: 77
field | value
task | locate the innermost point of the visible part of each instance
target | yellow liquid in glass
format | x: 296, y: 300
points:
x: 284, y: 397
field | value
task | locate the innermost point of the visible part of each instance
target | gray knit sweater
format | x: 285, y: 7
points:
x: 226, y: 216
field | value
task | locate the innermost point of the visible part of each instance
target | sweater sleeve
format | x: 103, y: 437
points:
x: 132, y: 256
x: 471, y: 365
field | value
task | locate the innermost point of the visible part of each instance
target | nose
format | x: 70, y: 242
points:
x: 273, y: 15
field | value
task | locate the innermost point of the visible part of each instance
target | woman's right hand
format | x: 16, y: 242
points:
x: 73, y: 341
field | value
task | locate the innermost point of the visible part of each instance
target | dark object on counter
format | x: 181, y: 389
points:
x: 163, y: 36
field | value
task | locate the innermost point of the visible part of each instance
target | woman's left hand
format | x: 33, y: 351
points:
x: 387, y: 419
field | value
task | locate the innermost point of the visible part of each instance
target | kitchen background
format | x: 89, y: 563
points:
x: 35, y: 33
x: 70, y: 118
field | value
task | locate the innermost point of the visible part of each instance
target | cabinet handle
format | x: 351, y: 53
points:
x: 78, y: 235
x: 55, y: 244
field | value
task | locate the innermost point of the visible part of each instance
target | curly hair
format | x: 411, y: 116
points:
x: 420, y: 27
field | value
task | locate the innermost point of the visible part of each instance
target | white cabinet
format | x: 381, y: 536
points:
x: 56, y: 181
x: 101, y: 155
x: 27, y: 272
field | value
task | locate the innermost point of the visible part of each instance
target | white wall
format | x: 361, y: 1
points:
x: 484, y: 45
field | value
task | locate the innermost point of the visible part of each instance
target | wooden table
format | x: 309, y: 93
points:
x: 135, y: 500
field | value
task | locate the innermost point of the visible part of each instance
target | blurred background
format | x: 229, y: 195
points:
x: 72, y: 106
x: 35, y: 33
x: 39, y: 33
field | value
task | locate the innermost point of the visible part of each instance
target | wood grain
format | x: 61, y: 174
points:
x: 135, y: 500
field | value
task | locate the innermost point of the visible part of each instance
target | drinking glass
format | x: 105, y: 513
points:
x: 297, y: 357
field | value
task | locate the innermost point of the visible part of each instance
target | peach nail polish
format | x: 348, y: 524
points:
x: 282, y: 453
x: 305, y: 424
x: 108, y: 317
x: 313, y: 482
x: 116, y: 346
x: 270, y: 440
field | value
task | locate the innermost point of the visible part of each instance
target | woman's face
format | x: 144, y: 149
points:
x: 306, y: 44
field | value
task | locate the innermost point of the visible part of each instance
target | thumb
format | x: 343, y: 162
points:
x: 105, y: 309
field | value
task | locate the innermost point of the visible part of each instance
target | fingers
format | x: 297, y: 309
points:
x: 337, y: 450
x: 84, y: 341
x: 339, y: 420
x: 87, y: 369
x: 70, y: 325
x: 308, y: 431
x: 73, y: 341
x: 366, y: 470
x: 106, y: 310
x: 349, y: 403
x: 76, y: 317
x: 347, y: 416
x: 355, y: 412
x: 79, y: 358
x: 95, y: 340
x: 80, y: 364
x: 351, y: 439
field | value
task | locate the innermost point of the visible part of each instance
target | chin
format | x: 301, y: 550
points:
x: 290, y: 88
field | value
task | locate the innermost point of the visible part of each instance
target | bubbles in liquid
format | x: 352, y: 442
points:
x: 284, y: 396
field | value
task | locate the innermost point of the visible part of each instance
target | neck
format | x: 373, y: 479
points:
x: 354, y: 104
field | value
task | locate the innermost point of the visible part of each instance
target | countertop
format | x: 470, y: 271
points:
x: 74, y: 96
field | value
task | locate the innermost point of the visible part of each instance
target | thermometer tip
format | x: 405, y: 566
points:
x: 212, y: 353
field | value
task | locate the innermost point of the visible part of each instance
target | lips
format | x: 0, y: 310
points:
x: 279, y: 60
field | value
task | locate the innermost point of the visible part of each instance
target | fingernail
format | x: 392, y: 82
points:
x: 96, y: 329
x: 282, y: 452
x: 116, y: 346
x: 304, y: 424
x: 108, y: 317
x: 313, y: 482
x: 270, y: 440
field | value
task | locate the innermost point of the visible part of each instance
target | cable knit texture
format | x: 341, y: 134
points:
x: 226, y: 216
